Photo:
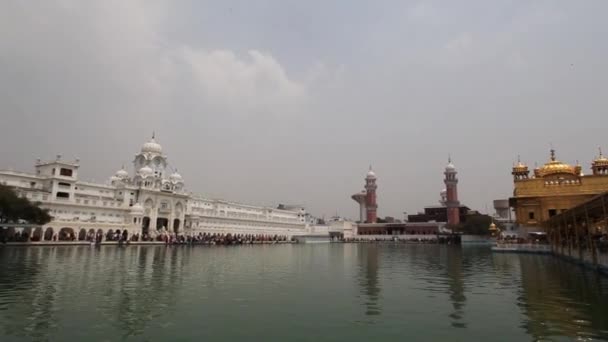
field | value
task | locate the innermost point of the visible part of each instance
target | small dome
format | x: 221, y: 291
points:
x: 122, y: 173
x: 600, y: 160
x: 152, y: 147
x: 371, y: 174
x: 450, y: 167
x: 176, y: 177
x: 115, y: 179
x: 137, y: 209
x: 146, y: 171
x: 444, y: 191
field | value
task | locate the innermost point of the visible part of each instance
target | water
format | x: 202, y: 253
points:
x: 296, y: 293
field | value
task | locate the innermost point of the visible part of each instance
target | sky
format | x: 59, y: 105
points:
x: 268, y: 102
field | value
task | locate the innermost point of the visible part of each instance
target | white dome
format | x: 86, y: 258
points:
x: 443, y: 192
x: 176, y: 177
x: 137, y: 209
x: 146, y: 171
x: 371, y: 174
x: 450, y: 167
x: 114, y: 179
x: 122, y: 173
x: 152, y: 147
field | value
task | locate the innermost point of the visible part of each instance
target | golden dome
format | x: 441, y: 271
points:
x: 600, y: 160
x: 493, y: 227
x: 520, y: 167
x: 555, y: 166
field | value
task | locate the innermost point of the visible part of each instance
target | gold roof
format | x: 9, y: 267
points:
x: 600, y: 160
x: 520, y: 167
x: 555, y: 166
x: 492, y: 227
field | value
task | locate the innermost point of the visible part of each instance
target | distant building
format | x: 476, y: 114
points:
x: 554, y: 188
x: 368, y: 206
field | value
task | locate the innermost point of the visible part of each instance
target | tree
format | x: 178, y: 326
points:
x: 14, y: 208
x: 476, y: 224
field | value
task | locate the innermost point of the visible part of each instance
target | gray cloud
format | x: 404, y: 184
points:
x: 290, y: 101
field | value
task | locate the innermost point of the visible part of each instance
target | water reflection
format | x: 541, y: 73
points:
x: 368, y: 279
x: 155, y: 293
x: 455, y: 281
x: 562, y: 299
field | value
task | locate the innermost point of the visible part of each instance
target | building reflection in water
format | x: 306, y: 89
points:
x: 562, y: 299
x: 46, y: 279
x: 368, y: 279
x: 454, y: 273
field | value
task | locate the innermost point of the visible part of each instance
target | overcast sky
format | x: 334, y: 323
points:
x: 290, y: 101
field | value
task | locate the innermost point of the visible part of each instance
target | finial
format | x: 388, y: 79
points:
x: 552, y: 153
x: 153, y: 134
x: 449, y: 157
x: 600, y: 149
x: 518, y: 159
x: 370, y: 167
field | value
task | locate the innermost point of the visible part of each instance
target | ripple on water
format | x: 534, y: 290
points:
x: 360, y: 291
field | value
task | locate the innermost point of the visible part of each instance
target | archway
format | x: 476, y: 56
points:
x: 48, y: 234
x: 145, y: 225
x: 66, y: 234
x: 26, y: 234
x: 161, y: 223
x: 176, y: 226
x: 125, y: 234
x: 109, y: 235
x: 37, y: 236
x: 100, y: 234
x: 82, y: 235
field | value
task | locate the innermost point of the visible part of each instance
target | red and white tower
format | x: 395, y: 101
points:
x: 370, y: 196
x: 451, y: 187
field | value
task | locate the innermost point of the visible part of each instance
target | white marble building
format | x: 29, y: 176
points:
x: 152, y: 200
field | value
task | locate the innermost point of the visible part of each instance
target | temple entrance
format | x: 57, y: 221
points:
x: 176, y: 226
x: 162, y: 223
x: 145, y: 225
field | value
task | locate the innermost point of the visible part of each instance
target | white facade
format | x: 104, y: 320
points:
x: 150, y: 201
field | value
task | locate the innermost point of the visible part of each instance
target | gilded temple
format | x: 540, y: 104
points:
x: 554, y: 187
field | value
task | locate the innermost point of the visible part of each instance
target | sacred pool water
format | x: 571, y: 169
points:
x: 337, y: 292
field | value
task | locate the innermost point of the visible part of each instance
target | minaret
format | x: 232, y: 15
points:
x: 370, y: 196
x: 451, y: 186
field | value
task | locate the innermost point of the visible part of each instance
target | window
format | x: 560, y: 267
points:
x: 32, y: 184
x: 65, y: 172
x: 64, y: 184
x: 552, y: 212
x: 531, y: 215
x: 63, y: 195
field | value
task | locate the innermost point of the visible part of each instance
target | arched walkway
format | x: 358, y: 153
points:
x: 66, y: 234
x: 176, y: 226
x: 82, y: 235
x: 37, y: 236
x: 48, y: 234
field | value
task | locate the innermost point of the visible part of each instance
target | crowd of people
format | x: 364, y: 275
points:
x: 221, y: 239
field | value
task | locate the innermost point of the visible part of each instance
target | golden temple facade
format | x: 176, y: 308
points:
x: 554, y: 188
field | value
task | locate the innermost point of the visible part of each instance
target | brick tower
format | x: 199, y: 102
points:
x: 451, y: 186
x: 370, y: 196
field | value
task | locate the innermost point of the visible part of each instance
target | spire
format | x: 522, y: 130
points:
x: 153, y: 134
x: 552, y: 153
x: 600, y: 149
x: 449, y: 158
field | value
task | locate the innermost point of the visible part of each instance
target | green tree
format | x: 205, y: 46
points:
x: 14, y: 208
x: 476, y: 224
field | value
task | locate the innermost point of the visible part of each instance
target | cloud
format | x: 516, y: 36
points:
x: 257, y: 83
